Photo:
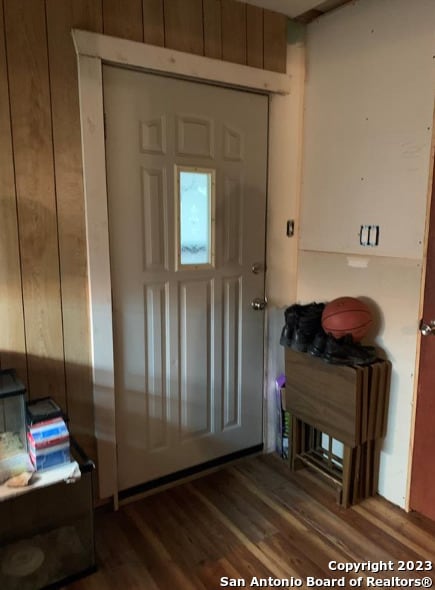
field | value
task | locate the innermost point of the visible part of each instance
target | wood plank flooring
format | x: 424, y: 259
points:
x: 251, y: 519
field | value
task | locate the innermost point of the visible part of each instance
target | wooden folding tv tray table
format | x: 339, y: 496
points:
x: 350, y: 405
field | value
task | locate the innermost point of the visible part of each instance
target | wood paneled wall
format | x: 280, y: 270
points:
x: 44, y: 323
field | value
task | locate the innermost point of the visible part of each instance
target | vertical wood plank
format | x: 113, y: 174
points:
x: 347, y: 476
x: 377, y: 446
x: 184, y: 25
x: 27, y: 58
x: 123, y: 18
x: 254, y: 36
x: 368, y: 481
x: 365, y: 404
x: 234, y: 31
x: 380, y: 400
x: 373, y: 396
x: 275, y: 41
x: 356, y: 475
x: 12, y: 341
x: 153, y: 22
x: 62, y: 16
x: 212, y: 28
x: 387, y: 398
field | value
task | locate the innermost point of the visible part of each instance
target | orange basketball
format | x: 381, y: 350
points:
x: 347, y: 315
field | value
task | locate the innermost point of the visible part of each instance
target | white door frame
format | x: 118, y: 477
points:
x: 92, y: 51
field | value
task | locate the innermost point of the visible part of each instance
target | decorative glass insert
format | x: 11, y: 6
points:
x: 195, y: 202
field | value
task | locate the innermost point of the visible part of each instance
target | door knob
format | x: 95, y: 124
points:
x: 258, y: 303
x: 427, y: 329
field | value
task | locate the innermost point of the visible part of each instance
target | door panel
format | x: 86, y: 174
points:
x: 156, y: 362
x: 422, y: 489
x: 195, y: 357
x: 188, y: 346
x: 155, y: 207
x: 231, y: 347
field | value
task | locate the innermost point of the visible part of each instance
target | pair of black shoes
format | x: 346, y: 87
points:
x: 302, y: 323
x: 303, y: 332
x: 341, y: 351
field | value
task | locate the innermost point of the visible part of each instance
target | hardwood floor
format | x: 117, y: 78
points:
x: 252, y: 519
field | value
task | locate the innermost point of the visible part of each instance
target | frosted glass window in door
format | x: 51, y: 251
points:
x: 196, y: 216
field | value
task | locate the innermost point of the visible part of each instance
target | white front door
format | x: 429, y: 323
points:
x: 186, y: 174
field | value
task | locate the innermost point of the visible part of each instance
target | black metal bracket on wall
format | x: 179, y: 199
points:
x: 369, y: 235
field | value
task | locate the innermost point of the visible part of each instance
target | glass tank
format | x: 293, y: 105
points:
x: 47, y: 533
x: 14, y: 458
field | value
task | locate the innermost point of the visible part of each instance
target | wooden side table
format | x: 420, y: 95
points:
x: 350, y: 405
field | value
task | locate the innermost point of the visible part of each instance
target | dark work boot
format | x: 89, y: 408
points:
x: 286, y: 335
x: 291, y: 317
x: 308, y: 325
x: 302, y: 322
x: 344, y: 351
x: 317, y: 347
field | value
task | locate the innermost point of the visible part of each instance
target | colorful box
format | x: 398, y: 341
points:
x: 283, y: 422
x: 48, y: 443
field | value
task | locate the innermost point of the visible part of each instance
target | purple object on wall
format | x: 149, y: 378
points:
x: 280, y: 381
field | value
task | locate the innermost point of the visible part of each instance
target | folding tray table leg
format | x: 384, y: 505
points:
x: 347, y: 476
x: 296, y: 463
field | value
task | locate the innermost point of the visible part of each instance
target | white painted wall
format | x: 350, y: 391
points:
x: 368, y: 127
x: 285, y: 171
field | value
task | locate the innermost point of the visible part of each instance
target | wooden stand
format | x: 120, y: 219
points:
x: 348, y: 404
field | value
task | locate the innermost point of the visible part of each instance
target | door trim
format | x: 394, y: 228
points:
x: 429, y: 204
x: 92, y: 51
x: 160, y: 59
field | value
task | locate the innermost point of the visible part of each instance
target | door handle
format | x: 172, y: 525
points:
x: 427, y: 329
x: 258, y: 303
x: 256, y: 268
